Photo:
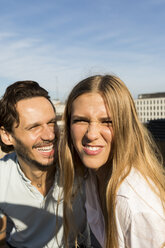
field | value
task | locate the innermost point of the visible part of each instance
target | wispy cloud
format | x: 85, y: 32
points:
x: 59, y: 42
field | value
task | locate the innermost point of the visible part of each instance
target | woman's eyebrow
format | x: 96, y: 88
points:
x: 80, y: 118
x: 105, y: 119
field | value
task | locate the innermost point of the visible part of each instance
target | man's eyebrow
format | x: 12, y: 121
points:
x: 32, y: 125
x: 39, y: 123
x: 52, y: 120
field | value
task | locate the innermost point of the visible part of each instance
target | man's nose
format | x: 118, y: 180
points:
x: 48, y: 133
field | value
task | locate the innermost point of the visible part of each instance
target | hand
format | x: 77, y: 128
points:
x: 3, y: 224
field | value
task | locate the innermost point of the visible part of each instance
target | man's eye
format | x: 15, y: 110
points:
x: 52, y: 123
x: 34, y: 127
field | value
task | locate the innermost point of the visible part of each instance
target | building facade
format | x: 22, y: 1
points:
x: 59, y: 106
x: 150, y: 106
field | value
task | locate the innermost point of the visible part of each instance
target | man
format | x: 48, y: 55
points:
x: 31, y: 208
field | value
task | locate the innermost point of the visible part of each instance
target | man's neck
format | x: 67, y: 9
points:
x: 41, y: 179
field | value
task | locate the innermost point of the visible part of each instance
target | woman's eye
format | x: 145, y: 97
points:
x: 107, y: 123
x: 80, y: 121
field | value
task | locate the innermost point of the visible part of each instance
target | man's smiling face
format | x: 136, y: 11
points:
x: 33, y: 139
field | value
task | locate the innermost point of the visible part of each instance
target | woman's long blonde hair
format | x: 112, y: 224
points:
x: 132, y: 147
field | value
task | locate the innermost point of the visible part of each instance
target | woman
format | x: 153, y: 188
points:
x: 104, y: 142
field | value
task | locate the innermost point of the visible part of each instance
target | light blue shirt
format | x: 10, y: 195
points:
x: 32, y: 220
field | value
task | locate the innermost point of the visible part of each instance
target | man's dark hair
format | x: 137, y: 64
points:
x: 15, y: 92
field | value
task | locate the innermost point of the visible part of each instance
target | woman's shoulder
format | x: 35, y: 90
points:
x: 134, y: 183
x: 140, y: 215
x: 137, y: 193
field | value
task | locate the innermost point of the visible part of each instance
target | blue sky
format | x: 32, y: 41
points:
x: 59, y: 42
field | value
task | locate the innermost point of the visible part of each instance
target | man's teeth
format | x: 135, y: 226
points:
x: 45, y: 149
x: 93, y: 148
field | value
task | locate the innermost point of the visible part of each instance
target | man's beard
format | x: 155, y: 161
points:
x: 23, y: 153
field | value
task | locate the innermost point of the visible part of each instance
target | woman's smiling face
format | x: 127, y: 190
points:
x: 91, y: 130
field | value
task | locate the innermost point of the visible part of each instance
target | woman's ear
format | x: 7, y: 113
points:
x: 6, y: 137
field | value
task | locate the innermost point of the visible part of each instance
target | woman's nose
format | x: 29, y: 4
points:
x: 93, y: 130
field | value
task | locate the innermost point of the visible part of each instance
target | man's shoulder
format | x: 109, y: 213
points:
x: 8, y: 160
x: 8, y: 170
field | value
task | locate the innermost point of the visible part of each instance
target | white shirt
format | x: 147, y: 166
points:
x: 139, y: 214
